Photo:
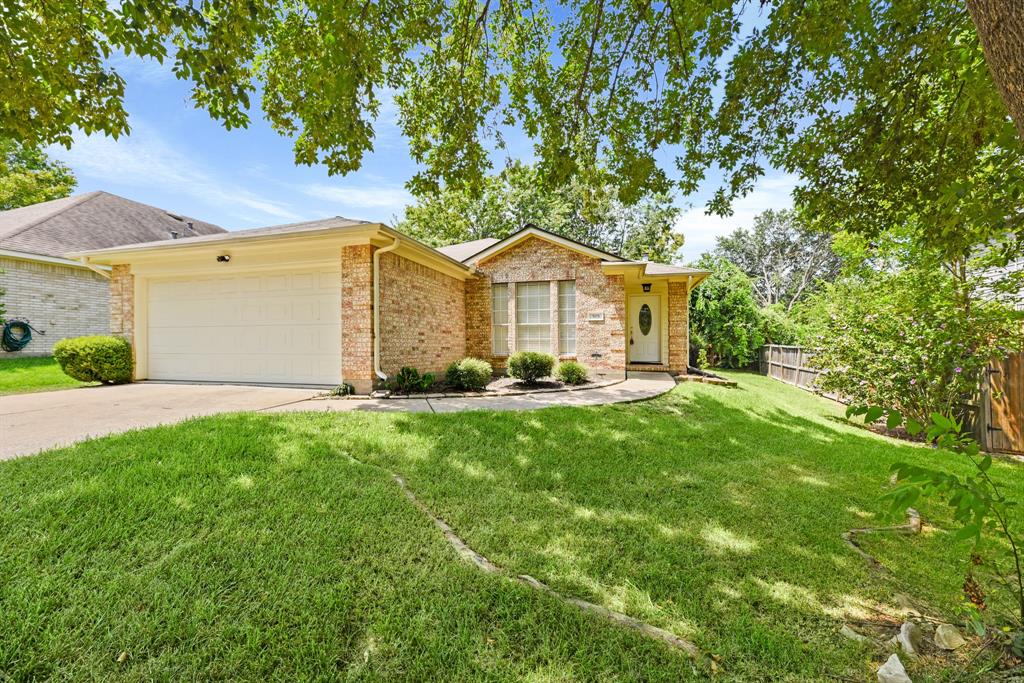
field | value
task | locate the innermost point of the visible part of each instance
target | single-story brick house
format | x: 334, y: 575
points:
x: 339, y: 300
x: 64, y: 297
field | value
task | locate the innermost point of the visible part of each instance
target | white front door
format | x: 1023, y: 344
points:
x: 645, y: 329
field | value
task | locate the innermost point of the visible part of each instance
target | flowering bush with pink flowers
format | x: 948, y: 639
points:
x: 909, y: 342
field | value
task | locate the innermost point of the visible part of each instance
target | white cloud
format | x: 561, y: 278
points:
x: 145, y: 159
x: 135, y: 69
x: 383, y: 197
x: 701, y: 229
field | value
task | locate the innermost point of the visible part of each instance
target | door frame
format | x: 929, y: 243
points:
x: 631, y: 308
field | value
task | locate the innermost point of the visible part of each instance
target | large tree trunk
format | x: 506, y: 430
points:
x: 1000, y: 25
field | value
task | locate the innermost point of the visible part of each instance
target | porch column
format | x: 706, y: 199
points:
x: 678, y: 327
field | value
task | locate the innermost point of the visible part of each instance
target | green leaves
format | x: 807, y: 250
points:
x: 614, y: 93
x: 873, y: 413
x: 724, y: 317
x: 28, y: 176
x: 517, y: 196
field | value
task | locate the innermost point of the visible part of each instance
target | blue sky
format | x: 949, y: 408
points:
x: 179, y: 159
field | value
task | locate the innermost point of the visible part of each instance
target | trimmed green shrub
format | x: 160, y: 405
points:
x: 95, y: 359
x: 530, y: 366
x: 470, y: 374
x: 409, y: 380
x: 571, y: 372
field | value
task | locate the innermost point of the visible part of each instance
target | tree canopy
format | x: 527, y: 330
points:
x: 887, y: 111
x: 29, y: 176
x: 724, y: 318
x: 785, y: 258
x: 515, y: 197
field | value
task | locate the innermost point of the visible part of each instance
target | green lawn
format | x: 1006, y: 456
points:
x: 253, y: 546
x: 23, y: 375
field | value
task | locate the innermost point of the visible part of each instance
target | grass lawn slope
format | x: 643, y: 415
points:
x: 259, y: 547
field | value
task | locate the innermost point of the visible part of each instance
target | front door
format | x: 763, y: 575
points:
x: 645, y: 329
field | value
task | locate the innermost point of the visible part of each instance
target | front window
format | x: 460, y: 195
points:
x: 567, y: 318
x: 533, y: 316
x: 499, y: 319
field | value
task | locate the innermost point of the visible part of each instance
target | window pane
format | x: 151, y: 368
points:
x: 533, y: 316
x: 567, y: 317
x: 499, y: 319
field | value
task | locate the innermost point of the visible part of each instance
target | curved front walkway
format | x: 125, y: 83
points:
x: 30, y: 423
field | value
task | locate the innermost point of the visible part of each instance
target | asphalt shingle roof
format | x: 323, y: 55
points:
x: 463, y: 250
x: 95, y: 220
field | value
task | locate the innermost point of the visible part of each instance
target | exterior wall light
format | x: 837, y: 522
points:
x: 647, y: 287
x: 223, y: 258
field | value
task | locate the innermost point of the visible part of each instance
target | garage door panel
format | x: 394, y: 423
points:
x: 280, y: 327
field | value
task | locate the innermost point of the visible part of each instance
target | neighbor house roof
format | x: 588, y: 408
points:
x: 95, y: 220
x: 319, y: 225
x: 463, y: 250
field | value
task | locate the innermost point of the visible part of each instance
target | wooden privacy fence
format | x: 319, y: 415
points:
x: 1002, y: 406
x: 997, y: 419
x: 790, y: 364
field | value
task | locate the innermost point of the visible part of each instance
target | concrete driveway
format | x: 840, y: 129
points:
x: 33, y: 422
x: 30, y: 423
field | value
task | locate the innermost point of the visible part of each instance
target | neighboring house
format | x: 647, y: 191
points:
x: 63, y: 297
x: 338, y: 300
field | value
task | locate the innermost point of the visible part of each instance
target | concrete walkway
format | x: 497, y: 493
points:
x: 30, y: 423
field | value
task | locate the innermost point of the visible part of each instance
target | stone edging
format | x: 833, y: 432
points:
x: 480, y: 562
x: 913, y: 526
x: 484, y: 564
x: 474, y: 394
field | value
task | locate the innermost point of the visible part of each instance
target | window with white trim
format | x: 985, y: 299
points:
x: 533, y: 316
x: 499, y: 319
x: 567, y: 318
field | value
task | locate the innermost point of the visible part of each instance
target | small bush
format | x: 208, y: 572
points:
x: 409, y: 380
x: 95, y: 359
x: 530, y: 366
x: 470, y: 374
x: 572, y: 372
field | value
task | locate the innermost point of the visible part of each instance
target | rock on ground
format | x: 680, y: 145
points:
x: 893, y: 672
x: 948, y: 637
x: 909, y: 638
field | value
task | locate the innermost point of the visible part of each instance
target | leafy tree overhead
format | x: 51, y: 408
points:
x: 785, y: 259
x: 889, y: 107
x: 515, y: 198
x: 29, y: 176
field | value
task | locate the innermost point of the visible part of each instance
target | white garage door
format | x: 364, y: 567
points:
x: 281, y: 327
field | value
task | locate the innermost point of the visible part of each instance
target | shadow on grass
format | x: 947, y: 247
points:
x: 250, y: 545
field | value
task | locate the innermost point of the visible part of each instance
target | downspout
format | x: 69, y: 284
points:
x: 376, y: 307
x: 93, y: 267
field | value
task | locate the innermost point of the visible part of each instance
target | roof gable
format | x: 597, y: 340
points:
x: 95, y: 220
x: 532, y: 231
x: 464, y: 250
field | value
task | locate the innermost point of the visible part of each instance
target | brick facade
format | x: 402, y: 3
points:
x: 678, y: 327
x: 601, y: 345
x: 429, y: 319
x: 422, y: 317
x: 122, y: 302
x: 122, y: 305
x: 62, y: 301
x: 357, y: 316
